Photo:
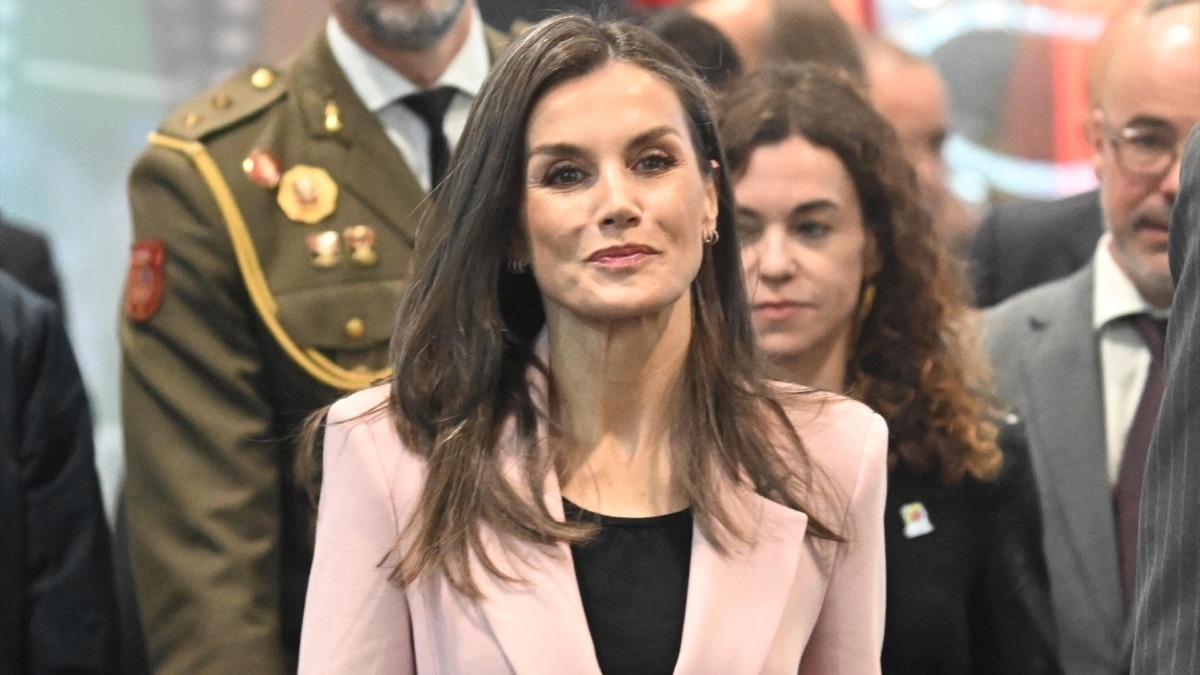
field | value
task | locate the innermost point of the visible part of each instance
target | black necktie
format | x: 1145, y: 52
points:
x: 1133, y: 464
x: 431, y: 107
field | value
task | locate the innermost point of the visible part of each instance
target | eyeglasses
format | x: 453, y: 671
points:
x: 1148, y: 151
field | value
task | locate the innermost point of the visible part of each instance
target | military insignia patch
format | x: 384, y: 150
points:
x: 307, y: 194
x: 144, y: 285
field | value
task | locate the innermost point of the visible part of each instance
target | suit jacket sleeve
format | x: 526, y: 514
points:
x: 68, y: 598
x: 1013, y: 623
x: 1167, y: 606
x: 355, y: 620
x: 202, y: 483
x: 848, y: 637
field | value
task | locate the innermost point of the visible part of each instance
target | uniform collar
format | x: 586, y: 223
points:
x: 378, y: 85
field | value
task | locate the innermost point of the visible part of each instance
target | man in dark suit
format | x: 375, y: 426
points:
x: 1167, y: 613
x: 274, y: 218
x: 26, y: 256
x: 1081, y: 358
x: 1026, y: 244
x: 57, y: 601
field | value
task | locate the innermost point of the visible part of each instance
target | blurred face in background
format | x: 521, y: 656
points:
x: 913, y: 98
x: 805, y: 251
x: 411, y: 25
x: 1150, y: 100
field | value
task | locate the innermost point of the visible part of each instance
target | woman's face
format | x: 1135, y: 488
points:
x: 805, y: 251
x: 615, y: 203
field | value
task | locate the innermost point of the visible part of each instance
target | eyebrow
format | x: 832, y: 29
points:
x: 800, y: 210
x: 1148, y: 122
x: 572, y: 150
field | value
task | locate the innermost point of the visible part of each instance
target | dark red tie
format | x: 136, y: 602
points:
x: 431, y: 106
x: 1129, y: 483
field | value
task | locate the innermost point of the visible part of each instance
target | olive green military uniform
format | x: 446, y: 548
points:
x: 250, y: 325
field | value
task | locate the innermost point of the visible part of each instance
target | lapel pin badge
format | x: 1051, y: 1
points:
x: 262, y: 168
x: 916, y: 520
x: 307, y: 194
x: 360, y: 239
x: 326, y: 248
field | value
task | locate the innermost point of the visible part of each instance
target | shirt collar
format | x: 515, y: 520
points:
x: 1114, y: 296
x: 378, y: 85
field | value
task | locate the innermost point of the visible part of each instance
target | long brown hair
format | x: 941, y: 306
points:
x: 465, y: 333
x: 913, y: 361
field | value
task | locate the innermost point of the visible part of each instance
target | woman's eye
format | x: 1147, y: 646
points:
x: 562, y: 176
x: 811, y: 229
x: 655, y: 162
x: 748, y: 230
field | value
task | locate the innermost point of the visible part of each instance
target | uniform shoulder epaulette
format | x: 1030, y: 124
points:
x: 242, y: 95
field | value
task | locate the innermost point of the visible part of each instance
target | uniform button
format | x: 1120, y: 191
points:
x: 262, y: 78
x: 222, y: 101
x: 191, y: 119
x: 355, y: 328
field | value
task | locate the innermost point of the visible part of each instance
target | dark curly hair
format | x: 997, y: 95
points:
x: 914, y: 361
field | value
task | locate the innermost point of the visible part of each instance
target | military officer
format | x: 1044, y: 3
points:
x: 274, y: 217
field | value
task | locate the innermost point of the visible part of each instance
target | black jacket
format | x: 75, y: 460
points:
x: 970, y: 595
x: 1026, y: 244
x: 57, y: 603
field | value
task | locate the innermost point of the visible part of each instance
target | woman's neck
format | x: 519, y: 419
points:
x: 615, y: 388
x: 822, y: 366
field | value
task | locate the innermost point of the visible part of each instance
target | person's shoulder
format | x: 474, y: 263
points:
x: 369, y: 406
x: 1045, y: 299
x: 842, y: 435
x: 236, y: 100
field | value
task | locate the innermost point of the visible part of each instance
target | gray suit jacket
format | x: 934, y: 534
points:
x: 1167, y: 610
x: 1047, y: 367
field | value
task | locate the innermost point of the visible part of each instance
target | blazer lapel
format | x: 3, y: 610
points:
x: 357, y: 151
x: 538, y: 622
x: 1066, y: 408
x: 739, y: 593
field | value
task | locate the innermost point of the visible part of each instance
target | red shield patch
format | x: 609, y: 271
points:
x: 144, y: 286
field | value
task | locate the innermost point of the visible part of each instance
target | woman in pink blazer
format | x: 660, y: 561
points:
x: 576, y: 467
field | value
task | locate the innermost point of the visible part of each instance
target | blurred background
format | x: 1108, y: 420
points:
x: 83, y: 83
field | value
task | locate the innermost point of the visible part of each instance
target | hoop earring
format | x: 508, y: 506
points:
x: 517, y: 266
x: 711, y: 237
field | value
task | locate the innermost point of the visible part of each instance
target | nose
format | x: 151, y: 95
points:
x: 775, y: 263
x: 1170, y: 182
x: 618, y: 198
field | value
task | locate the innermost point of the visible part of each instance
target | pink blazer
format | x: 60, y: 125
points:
x: 787, y: 604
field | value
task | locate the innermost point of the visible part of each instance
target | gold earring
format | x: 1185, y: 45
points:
x: 517, y: 266
x: 866, y: 300
x: 711, y: 237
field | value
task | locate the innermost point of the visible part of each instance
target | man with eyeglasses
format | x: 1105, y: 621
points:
x: 1081, y: 358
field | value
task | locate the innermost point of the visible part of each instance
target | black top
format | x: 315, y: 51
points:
x: 967, y: 586
x: 633, y: 579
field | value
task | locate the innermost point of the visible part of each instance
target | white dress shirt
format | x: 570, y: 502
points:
x: 1124, y: 356
x: 380, y: 88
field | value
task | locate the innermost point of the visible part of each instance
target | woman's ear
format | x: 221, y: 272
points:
x: 712, y: 205
x: 872, y: 259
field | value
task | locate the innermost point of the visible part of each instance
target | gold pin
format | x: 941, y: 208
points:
x: 355, y: 329
x: 262, y: 168
x: 307, y: 194
x: 222, y: 101
x: 325, y: 247
x: 360, y: 239
x: 191, y: 119
x: 333, y: 117
x: 262, y: 78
